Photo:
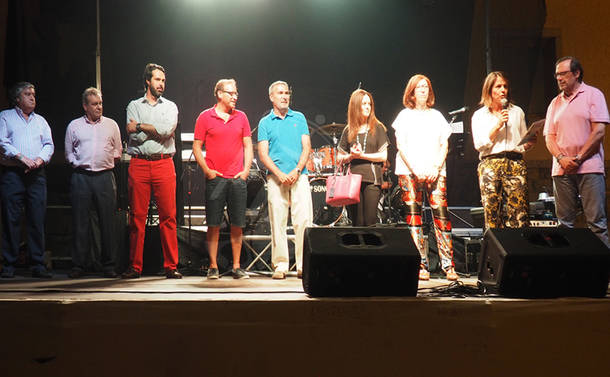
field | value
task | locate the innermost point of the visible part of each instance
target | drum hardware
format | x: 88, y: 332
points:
x: 332, y: 128
x: 323, y: 214
x: 322, y: 160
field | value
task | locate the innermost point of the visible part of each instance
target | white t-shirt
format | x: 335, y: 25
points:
x: 419, y: 135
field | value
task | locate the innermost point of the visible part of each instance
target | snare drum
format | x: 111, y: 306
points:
x: 323, y: 214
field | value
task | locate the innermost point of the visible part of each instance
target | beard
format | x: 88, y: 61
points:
x: 156, y: 93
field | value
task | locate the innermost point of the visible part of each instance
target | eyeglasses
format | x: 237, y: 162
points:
x: 232, y: 94
x: 562, y: 74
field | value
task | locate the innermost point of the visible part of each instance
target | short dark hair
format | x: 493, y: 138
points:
x: 16, y: 90
x: 148, y: 70
x: 574, y: 66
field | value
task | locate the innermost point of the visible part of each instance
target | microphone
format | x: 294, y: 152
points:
x: 459, y: 111
x: 504, y: 103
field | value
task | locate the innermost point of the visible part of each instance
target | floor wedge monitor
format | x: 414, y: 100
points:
x: 359, y: 261
x: 544, y: 262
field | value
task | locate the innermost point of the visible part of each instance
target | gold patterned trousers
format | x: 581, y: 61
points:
x: 503, y: 184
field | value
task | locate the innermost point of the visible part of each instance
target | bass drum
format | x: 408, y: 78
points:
x: 323, y: 214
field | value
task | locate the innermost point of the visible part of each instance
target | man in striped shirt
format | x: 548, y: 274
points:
x: 26, y: 146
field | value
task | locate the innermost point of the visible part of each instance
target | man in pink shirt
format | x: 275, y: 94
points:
x: 574, y: 130
x: 225, y: 132
x: 93, y: 143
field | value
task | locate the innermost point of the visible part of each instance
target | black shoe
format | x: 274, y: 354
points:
x: 7, y: 273
x: 239, y: 273
x: 110, y: 274
x: 41, y: 273
x: 76, y: 273
x: 131, y: 273
x: 213, y: 274
x: 173, y: 274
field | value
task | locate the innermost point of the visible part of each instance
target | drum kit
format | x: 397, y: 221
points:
x: 321, y: 164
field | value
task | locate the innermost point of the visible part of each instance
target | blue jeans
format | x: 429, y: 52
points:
x: 21, y: 190
x: 592, y: 190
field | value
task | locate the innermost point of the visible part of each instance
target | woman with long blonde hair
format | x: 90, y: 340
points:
x: 363, y: 145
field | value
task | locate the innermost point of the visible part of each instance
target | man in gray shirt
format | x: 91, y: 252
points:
x: 151, y: 123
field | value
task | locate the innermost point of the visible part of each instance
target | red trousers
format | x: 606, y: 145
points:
x: 160, y: 176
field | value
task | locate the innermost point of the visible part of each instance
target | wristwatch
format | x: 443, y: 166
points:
x: 559, y: 157
x: 139, y: 127
x: 299, y: 170
x: 578, y: 159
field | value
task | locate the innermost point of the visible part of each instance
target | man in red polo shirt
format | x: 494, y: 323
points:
x: 225, y: 132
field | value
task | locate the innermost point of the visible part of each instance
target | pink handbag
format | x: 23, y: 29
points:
x: 343, y: 190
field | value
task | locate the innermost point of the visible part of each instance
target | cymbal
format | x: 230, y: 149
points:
x: 332, y: 128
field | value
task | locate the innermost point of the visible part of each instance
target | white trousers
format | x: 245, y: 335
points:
x: 297, y: 198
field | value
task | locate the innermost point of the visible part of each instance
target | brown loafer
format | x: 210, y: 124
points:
x: 173, y: 274
x: 131, y: 273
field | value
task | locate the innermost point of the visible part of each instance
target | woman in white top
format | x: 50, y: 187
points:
x: 497, y: 128
x: 422, y: 135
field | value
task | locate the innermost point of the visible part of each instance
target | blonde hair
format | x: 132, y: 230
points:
x: 488, y: 85
x: 220, y: 85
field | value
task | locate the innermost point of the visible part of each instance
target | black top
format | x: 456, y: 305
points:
x: 370, y: 171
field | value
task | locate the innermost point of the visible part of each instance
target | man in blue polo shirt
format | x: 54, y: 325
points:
x: 284, y: 146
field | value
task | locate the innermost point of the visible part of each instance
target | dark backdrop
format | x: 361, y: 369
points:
x: 323, y: 48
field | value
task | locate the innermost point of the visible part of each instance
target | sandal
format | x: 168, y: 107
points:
x: 451, y: 275
x: 424, y: 274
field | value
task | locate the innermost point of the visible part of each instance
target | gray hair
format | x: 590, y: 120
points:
x: 16, y: 90
x: 220, y: 85
x: 279, y: 82
x: 91, y: 91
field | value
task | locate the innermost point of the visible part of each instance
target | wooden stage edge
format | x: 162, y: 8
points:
x: 191, y: 327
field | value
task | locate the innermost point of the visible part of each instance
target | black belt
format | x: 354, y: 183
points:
x: 152, y: 157
x: 90, y: 172
x: 510, y: 155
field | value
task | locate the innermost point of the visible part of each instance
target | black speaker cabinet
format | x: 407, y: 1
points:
x: 544, y: 262
x: 360, y: 261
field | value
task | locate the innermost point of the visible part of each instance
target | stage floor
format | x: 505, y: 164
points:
x: 258, y: 287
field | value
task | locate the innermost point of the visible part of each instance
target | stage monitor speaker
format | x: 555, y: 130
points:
x: 360, y: 261
x: 544, y: 262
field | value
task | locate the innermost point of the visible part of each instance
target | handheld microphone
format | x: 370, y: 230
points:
x: 459, y: 111
x: 504, y: 103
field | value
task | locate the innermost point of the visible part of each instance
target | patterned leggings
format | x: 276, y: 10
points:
x: 503, y: 184
x: 412, y: 195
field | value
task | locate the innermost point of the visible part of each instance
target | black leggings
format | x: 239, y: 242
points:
x: 365, y: 212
